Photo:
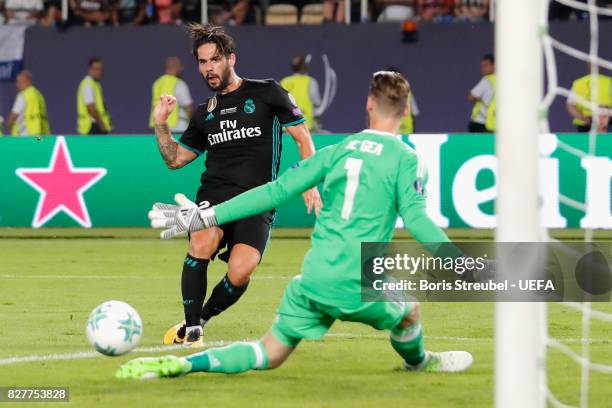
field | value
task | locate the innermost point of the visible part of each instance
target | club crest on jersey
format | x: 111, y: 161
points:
x: 249, y: 106
x: 212, y: 104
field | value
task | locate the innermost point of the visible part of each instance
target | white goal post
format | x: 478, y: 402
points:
x: 520, y: 328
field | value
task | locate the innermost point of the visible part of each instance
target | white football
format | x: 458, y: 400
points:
x: 114, y: 328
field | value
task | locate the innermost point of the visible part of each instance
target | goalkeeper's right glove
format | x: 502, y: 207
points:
x: 181, y: 218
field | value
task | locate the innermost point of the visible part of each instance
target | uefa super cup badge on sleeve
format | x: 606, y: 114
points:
x: 212, y: 104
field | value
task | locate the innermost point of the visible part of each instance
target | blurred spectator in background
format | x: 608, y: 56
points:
x: 97, y: 12
x: 558, y: 11
x: 171, y: 84
x: 168, y: 11
x: 191, y: 11
x: 2, y: 12
x: 581, y: 87
x: 333, y: 11
x: 93, y: 117
x: 303, y: 88
x: 53, y: 13
x: 607, y: 4
x: 472, y: 11
x: 231, y: 12
x: 603, y: 124
x: 29, y: 114
x: 483, y: 97
x: 23, y: 11
x: 132, y: 11
x: 395, y: 10
x: 407, y: 126
x: 436, y: 11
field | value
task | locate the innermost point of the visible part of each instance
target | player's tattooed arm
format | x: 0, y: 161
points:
x: 167, y: 147
x: 173, y: 154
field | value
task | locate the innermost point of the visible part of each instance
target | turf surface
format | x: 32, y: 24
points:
x: 51, y: 279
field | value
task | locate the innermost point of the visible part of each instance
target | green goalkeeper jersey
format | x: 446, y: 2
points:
x: 368, y: 180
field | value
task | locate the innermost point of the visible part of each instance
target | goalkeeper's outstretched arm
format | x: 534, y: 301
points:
x: 305, y: 175
x: 412, y: 209
x: 188, y: 217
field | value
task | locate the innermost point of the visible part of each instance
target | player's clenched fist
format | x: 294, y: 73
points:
x: 163, y: 109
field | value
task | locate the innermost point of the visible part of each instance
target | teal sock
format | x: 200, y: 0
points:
x: 235, y: 358
x: 409, y: 343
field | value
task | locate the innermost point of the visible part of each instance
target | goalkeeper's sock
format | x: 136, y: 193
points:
x: 235, y: 358
x: 223, y: 296
x: 409, y: 344
x: 193, y: 288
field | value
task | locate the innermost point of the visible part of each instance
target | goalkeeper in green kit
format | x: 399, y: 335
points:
x: 368, y: 179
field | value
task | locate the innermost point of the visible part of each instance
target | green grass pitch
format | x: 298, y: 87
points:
x: 51, y: 279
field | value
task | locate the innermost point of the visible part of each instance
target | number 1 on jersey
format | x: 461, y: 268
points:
x: 352, y: 167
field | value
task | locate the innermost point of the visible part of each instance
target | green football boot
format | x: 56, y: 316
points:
x: 154, y: 367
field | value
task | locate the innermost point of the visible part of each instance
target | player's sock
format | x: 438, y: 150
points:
x: 223, y: 296
x: 235, y: 358
x: 193, y: 288
x: 409, y: 343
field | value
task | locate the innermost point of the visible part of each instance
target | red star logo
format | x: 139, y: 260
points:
x: 61, y: 186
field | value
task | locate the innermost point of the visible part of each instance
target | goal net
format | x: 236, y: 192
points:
x: 528, y: 338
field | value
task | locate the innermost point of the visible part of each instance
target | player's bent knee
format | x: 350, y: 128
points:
x: 203, y: 244
x: 241, y: 265
x: 412, y: 317
x: 240, y: 271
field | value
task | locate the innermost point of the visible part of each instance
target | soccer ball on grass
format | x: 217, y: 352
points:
x: 114, y: 328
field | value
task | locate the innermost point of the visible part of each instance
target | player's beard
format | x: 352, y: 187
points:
x: 224, y: 81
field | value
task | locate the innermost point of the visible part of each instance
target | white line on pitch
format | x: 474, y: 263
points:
x: 91, y: 354
x: 117, y: 277
x: 464, y: 339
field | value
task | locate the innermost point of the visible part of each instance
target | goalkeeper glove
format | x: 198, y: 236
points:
x: 181, y: 218
x: 486, y: 273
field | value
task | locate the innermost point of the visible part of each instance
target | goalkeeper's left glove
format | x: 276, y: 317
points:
x: 181, y: 218
x: 486, y: 273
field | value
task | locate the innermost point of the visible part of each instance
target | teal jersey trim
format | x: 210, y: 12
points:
x: 276, y: 146
x: 297, y: 122
x: 269, y: 235
x: 196, y: 151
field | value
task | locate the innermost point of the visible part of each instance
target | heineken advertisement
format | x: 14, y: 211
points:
x: 113, y: 181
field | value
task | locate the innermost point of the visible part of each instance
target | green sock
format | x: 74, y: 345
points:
x: 235, y: 358
x: 409, y: 343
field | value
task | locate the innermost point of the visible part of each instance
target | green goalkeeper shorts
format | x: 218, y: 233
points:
x: 300, y: 317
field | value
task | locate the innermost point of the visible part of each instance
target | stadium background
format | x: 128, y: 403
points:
x: 55, y: 276
x: 442, y: 67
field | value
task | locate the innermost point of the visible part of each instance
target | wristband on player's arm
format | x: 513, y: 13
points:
x: 208, y: 217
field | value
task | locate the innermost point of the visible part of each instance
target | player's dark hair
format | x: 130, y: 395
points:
x: 92, y: 61
x: 489, y: 57
x: 390, y: 90
x: 209, y: 34
x: 299, y: 65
